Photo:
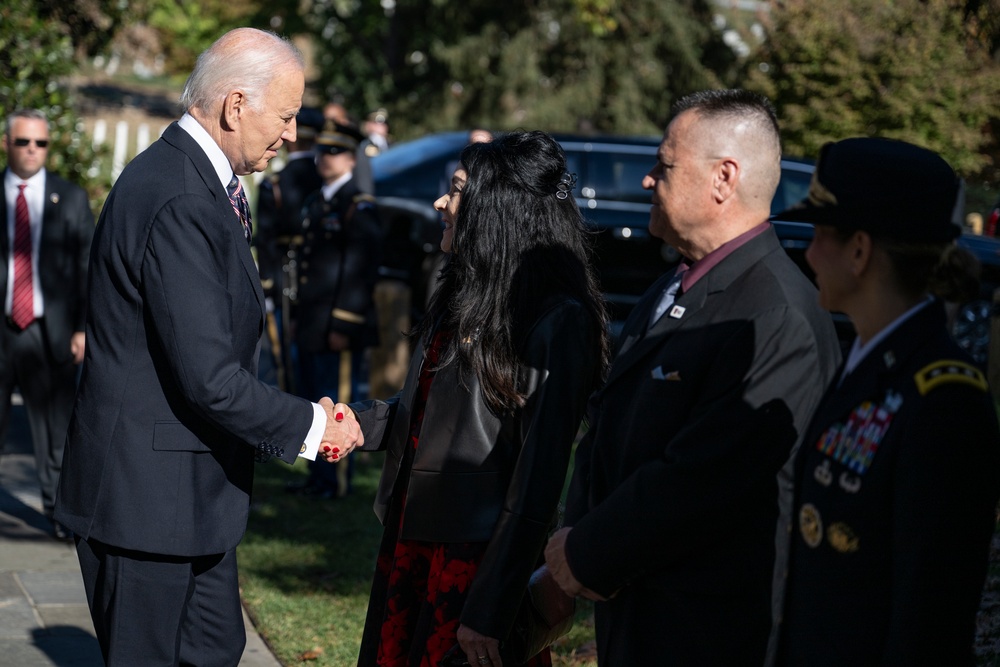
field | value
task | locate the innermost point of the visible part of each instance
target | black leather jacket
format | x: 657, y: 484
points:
x: 480, y: 477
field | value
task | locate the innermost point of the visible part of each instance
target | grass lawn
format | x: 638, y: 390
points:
x: 306, y: 568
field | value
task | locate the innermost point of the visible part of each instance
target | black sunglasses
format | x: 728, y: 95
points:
x: 21, y: 142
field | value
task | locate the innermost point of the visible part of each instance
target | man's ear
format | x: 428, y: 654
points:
x: 726, y: 176
x: 233, y: 107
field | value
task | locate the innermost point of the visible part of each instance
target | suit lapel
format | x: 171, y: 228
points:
x: 4, y: 241
x: 183, y: 141
x: 692, y: 308
x: 50, y: 219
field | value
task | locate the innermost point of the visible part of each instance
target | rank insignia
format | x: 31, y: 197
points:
x: 948, y: 371
x: 842, y: 537
x: 810, y: 525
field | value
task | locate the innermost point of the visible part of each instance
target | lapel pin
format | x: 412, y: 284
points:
x: 889, y: 358
x: 677, y: 312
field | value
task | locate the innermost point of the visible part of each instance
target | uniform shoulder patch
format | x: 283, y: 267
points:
x: 949, y: 371
x: 364, y: 201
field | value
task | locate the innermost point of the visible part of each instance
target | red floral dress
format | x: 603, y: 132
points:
x: 419, y: 588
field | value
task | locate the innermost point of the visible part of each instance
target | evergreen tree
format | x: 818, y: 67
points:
x: 902, y: 70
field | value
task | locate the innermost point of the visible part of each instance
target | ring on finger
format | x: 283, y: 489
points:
x: 484, y: 660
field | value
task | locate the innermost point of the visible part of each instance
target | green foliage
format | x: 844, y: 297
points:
x: 185, y: 29
x: 550, y: 64
x: 38, y: 58
x: 903, y: 70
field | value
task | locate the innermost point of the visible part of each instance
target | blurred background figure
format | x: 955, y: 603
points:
x: 279, y: 238
x: 335, y: 317
x: 376, y: 129
x: 45, y: 249
x: 363, y: 178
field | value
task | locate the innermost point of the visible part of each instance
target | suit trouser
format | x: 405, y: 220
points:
x: 48, y: 389
x: 163, y: 611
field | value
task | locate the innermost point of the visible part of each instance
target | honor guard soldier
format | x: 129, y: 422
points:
x: 335, y: 320
x: 279, y: 235
x: 898, y: 476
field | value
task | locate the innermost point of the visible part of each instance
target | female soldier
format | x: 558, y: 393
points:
x: 897, y: 478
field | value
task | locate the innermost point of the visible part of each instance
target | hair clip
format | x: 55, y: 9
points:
x: 565, y: 186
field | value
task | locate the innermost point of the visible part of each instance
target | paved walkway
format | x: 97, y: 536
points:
x: 44, y: 621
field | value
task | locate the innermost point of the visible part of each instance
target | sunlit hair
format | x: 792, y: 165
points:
x: 515, y: 243
x: 30, y: 114
x: 247, y: 59
x: 736, y: 106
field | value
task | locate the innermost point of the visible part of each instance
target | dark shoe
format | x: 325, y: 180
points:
x: 61, y: 532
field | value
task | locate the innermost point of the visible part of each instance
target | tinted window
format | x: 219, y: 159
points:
x: 618, y: 175
x: 793, y: 187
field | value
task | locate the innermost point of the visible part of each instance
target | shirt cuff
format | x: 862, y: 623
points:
x: 315, y: 434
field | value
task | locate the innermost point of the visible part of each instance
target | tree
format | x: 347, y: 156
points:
x: 38, y: 59
x: 903, y: 70
x: 550, y: 64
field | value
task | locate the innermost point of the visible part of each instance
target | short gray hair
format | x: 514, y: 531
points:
x: 244, y: 58
x: 32, y: 114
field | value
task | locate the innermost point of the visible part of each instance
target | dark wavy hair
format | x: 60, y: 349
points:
x: 515, y: 243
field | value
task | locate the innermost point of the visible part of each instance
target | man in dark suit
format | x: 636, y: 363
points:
x: 170, y: 414
x: 674, y: 498
x: 44, y: 249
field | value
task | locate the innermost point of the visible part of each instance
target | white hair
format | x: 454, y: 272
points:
x: 245, y: 58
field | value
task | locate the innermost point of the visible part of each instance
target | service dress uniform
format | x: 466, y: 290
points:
x: 896, y: 488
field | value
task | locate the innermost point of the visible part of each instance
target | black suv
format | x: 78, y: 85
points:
x: 609, y: 169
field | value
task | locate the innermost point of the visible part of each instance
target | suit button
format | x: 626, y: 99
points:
x: 305, y: 265
x: 304, y: 279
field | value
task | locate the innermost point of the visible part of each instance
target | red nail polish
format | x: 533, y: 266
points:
x: 326, y: 448
x: 339, y: 416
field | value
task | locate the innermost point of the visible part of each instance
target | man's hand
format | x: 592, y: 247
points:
x: 479, y: 649
x: 555, y: 558
x: 337, y: 341
x: 77, y: 346
x: 343, y: 433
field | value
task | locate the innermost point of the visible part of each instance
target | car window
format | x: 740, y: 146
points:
x: 619, y: 175
x: 793, y: 187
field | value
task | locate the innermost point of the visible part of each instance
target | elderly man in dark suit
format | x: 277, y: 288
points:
x: 674, y: 499
x: 170, y: 413
x: 44, y: 249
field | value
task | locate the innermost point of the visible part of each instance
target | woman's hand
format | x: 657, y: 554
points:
x: 479, y: 649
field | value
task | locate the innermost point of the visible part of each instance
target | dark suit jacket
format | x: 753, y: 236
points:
x: 160, y: 451
x: 63, y: 257
x: 341, y: 252
x: 673, y: 501
x: 896, y: 492
x: 477, y: 477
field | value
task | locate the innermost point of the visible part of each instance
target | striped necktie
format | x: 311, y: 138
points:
x: 238, y: 198
x: 22, y: 305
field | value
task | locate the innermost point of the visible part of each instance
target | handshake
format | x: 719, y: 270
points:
x: 342, y: 433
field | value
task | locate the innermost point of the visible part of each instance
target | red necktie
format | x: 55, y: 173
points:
x: 22, y: 308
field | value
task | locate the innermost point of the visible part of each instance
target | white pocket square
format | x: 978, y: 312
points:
x: 672, y: 376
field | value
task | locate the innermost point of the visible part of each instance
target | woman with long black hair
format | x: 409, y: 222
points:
x: 478, y: 441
